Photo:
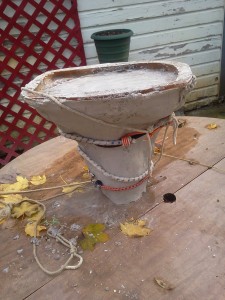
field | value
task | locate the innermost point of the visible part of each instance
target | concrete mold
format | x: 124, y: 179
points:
x: 98, y: 105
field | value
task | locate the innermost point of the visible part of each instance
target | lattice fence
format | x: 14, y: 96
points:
x: 35, y: 36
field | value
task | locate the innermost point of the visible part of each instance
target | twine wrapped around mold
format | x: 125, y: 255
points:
x: 131, y: 129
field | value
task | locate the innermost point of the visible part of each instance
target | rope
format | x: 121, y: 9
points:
x: 107, y: 174
x: 121, y: 189
x: 56, y: 101
x: 126, y: 142
x: 45, y: 189
x: 195, y: 163
x: 83, y: 139
x: 73, y: 250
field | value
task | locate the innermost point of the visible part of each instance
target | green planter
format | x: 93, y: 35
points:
x: 112, y: 45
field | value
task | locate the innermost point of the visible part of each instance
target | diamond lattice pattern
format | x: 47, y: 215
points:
x: 35, y: 36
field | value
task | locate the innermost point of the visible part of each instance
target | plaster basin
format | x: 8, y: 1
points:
x: 134, y: 94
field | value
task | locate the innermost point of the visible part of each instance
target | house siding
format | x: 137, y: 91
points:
x: 189, y: 31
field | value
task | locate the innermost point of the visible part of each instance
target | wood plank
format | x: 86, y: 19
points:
x: 146, y: 10
x: 59, y: 156
x: 179, y: 49
x: 152, y: 25
x: 186, y: 248
x: 201, y: 103
x: 206, y: 69
x: 193, y: 58
x: 166, y: 37
x: 84, y: 5
x: 59, y: 147
x: 207, y: 80
x: 203, y: 93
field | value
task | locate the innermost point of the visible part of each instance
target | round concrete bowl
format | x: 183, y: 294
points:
x: 153, y: 92
x: 105, y: 102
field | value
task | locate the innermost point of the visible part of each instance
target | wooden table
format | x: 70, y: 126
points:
x: 185, y: 248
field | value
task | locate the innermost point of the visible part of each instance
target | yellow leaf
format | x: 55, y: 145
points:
x: 37, y: 216
x: 25, y: 208
x: 21, y: 179
x: 14, y: 198
x: 157, y: 150
x: 85, y: 168
x: 135, y: 228
x: 3, y: 186
x: 70, y: 189
x: 30, y: 229
x: 211, y: 126
x: 21, y: 184
x: 86, y: 176
x: 38, y: 180
x: 94, y: 228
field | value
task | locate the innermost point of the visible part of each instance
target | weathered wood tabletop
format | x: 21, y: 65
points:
x: 185, y: 248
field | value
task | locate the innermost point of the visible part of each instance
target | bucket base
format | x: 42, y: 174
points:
x: 131, y: 163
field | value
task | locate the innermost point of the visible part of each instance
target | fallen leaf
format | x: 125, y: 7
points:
x: 70, y: 189
x: 37, y: 216
x: 25, y: 208
x: 164, y: 283
x: 21, y: 184
x: 86, y: 176
x: 87, y: 243
x: 85, y: 168
x: 14, y: 198
x: 94, y: 228
x: 38, y: 180
x: 30, y: 229
x: 157, y: 150
x: 135, y: 228
x: 93, y: 234
x: 211, y: 126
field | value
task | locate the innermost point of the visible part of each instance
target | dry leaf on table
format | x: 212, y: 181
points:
x: 93, y: 234
x: 135, y: 228
x: 86, y: 176
x: 20, y: 184
x: 30, y: 229
x: 14, y: 198
x: 157, y: 150
x: 38, y: 180
x: 24, y: 209
x: 37, y: 216
x: 85, y: 168
x: 211, y: 126
x: 70, y: 189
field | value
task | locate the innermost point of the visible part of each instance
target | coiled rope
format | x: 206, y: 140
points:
x: 6, y: 212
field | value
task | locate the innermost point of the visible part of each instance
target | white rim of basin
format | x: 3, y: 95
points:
x: 182, y: 70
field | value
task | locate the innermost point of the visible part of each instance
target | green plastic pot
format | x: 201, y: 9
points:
x: 112, y: 45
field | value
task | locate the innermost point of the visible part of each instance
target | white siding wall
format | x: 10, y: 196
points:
x: 184, y: 30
